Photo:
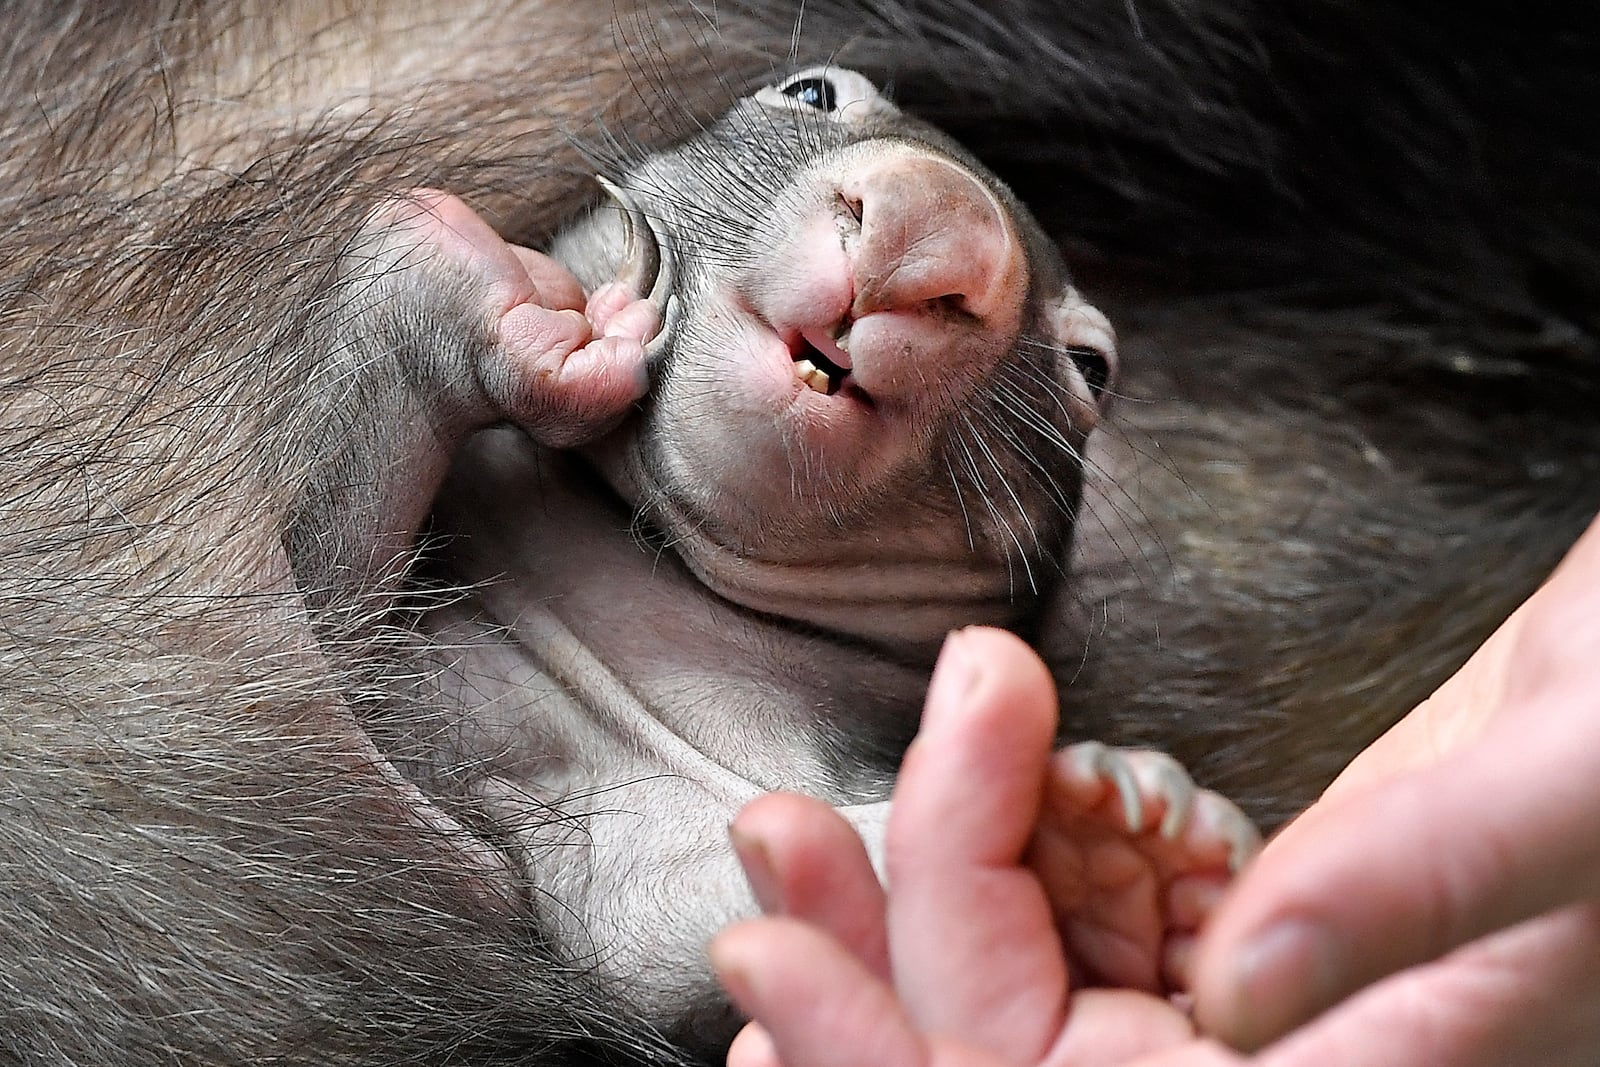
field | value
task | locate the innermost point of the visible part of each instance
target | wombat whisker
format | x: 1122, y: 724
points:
x: 974, y: 478
x: 975, y: 445
x: 1055, y: 494
x: 1019, y: 405
x: 1111, y: 489
x: 1054, y: 352
x: 958, y: 488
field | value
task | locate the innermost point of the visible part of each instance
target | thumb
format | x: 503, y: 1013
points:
x: 1377, y: 880
x: 1481, y: 815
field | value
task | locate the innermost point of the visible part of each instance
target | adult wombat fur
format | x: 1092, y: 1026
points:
x: 1351, y: 260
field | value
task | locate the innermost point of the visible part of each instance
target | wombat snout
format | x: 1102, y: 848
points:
x: 931, y: 232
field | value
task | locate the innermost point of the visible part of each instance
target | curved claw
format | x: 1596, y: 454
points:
x: 646, y: 265
x: 1173, y: 783
x: 1110, y: 767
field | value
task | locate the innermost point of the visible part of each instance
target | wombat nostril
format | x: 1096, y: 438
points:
x: 956, y: 304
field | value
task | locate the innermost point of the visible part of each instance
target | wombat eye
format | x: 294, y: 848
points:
x: 1094, y: 367
x: 812, y: 92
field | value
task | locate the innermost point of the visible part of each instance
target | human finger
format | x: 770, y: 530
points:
x: 804, y: 860
x: 1400, y: 873
x: 1468, y: 818
x: 814, y: 1001
x: 975, y: 951
x: 1528, y: 995
x: 752, y: 1047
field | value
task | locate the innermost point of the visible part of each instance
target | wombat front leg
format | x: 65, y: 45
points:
x: 1134, y: 857
x: 446, y: 328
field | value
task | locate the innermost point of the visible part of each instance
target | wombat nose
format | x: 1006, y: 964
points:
x: 932, y: 234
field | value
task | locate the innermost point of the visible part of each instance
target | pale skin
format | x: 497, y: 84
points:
x: 1439, y: 905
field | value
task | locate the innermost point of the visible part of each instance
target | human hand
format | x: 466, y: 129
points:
x: 1014, y: 873
x: 1441, y: 903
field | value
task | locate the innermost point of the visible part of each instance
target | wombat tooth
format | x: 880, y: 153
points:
x: 809, y: 373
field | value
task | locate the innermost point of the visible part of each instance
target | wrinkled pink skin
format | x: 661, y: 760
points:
x: 636, y: 688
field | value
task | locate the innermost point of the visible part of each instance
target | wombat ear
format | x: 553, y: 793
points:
x: 1085, y: 338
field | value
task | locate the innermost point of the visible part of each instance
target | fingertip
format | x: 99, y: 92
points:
x: 753, y: 1047
x: 804, y: 859
x: 971, y: 782
x: 750, y: 847
x: 1273, y: 982
x: 956, y: 674
x: 982, y: 667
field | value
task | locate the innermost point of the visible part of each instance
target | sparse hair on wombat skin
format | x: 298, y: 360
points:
x: 1352, y: 260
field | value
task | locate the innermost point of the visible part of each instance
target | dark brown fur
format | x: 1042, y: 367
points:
x: 1354, y: 268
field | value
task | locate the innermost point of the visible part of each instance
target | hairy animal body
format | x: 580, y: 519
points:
x: 869, y: 400
x: 1355, y: 429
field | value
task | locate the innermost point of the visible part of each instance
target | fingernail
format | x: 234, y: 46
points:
x: 956, y: 677
x: 758, y: 870
x: 1283, y: 977
x: 729, y: 966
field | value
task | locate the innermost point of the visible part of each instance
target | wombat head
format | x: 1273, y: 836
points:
x: 874, y: 379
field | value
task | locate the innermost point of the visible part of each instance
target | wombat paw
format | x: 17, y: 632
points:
x: 496, y: 331
x: 1134, y: 857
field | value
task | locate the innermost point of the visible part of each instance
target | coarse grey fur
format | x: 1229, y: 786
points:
x: 1357, y: 427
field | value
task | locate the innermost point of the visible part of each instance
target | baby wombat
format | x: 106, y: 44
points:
x: 870, y: 390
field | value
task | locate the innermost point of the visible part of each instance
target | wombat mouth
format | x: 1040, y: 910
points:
x: 823, y: 362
